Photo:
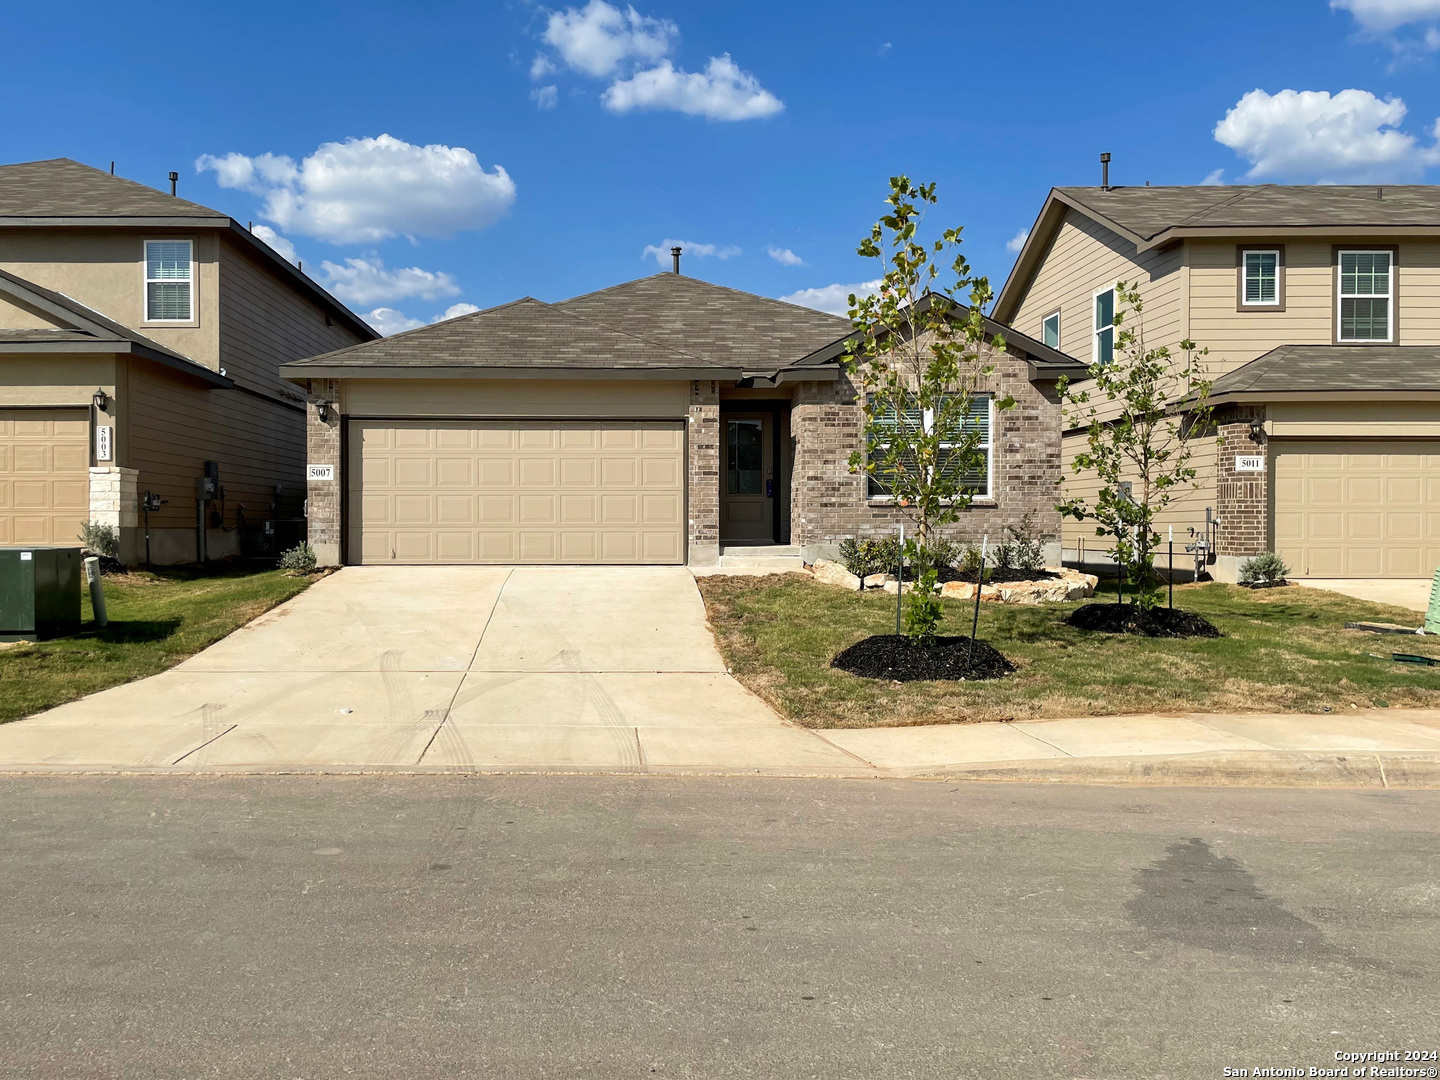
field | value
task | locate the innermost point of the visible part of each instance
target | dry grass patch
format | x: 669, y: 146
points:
x: 1283, y: 650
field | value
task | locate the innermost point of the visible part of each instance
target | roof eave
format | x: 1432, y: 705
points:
x: 300, y: 371
x: 120, y: 346
x: 1178, y: 233
x: 197, y: 221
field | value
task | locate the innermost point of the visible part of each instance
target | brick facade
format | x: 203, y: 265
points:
x: 322, y: 447
x: 829, y: 503
x: 703, y: 481
x: 1242, y: 499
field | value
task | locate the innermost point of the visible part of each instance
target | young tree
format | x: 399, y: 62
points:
x: 918, y: 360
x: 1140, y: 453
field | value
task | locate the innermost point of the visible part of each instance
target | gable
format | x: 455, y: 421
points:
x: 15, y: 314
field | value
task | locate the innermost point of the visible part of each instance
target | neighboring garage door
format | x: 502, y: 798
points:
x: 44, y: 475
x: 516, y: 492
x: 1363, y: 508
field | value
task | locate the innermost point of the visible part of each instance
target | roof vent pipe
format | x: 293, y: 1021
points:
x: 675, y: 255
x: 1104, y: 172
x: 174, y: 179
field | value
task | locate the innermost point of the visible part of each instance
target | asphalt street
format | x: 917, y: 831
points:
x: 448, y: 926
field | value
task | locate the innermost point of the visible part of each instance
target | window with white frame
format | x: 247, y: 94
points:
x: 1261, y: 285
x: 976, y: 481
x: 1366, y: 296
x: 1050, y: 330
x: 169, y: 281
x: 1103, y: 347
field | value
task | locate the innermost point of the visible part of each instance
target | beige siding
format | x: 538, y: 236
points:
x: 1371, y: 419
x: 105, y: 270
x: 172, y: 427
x: 54, y: 378
x: 1187, y: 507
x: 265, y: 323
x: 1084, y: 257
x: 548, y: 398
x: 1418, y: 277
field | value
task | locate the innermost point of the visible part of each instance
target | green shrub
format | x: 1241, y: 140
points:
x: 299, y: 560
x: 101, y: 539
x: 1020, y: 549
x: 939, y: 554
x: 924, y: 610
x: 1266, y: 568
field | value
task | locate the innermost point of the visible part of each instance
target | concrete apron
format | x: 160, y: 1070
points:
x: 448, y: 668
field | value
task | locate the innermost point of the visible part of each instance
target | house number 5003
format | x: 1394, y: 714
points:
x: 104, y: 443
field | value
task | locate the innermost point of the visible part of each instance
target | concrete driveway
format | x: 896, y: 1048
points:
x: 1412, y: 593
x: 460, y: 667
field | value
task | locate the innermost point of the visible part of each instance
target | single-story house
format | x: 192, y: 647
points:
x: 650, y: 422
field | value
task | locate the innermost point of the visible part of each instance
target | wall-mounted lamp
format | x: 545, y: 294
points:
x: 1257, y: 429
x: 99, y: 398
x: 322, y: 410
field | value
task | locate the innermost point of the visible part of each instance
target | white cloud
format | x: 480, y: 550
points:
x: 784, y: 256
x: 721, y: 92
x: 1385, y: 16
x: 366, y: 281
x: 282, y: 247
x: 546, y: 97
x: 1214, y: 178
x: 389, y: 321
x: 832, y: 298
x: 1351, y: 137
x: 661, y: 251
x: 1016, y: 242
x: 454, y: 311
x: 542, y: 66
x: 598, y: 38
x: 371, y: 189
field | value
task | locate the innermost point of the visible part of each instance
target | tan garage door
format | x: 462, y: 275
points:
x: 1358, y: 509
x: 44, y: 475
x: 516, y: 492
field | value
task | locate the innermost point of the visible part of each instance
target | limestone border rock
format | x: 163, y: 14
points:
x: 1072, y: 585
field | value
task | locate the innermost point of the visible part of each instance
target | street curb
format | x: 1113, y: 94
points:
x: 1385, y: 770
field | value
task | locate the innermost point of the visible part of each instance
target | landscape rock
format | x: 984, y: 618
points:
x: 834, y: 573
x: 1072, y: 585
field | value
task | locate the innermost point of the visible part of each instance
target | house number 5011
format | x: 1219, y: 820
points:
x: 1250, y: 463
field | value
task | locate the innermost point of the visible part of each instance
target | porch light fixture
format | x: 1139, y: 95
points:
x: 99, y: 399
x: 1257, y: 429
x: 322, y: 410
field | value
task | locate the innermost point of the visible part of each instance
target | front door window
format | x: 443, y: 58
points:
x: 745, y: 464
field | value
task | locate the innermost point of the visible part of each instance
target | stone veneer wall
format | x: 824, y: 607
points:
x: 322, y: 447
x: 115, y: 501
x: 828, y: 502
x: 703, y: 482
x: 1242, y: 500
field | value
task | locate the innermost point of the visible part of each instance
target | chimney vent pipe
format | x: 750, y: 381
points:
x: 675, y: 256
x: 1104, y: 172
x: 174, y: 179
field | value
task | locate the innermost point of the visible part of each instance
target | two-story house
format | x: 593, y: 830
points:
x: 140, y: 337
x: 1320, y: 307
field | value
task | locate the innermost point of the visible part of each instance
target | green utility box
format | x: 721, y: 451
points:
x: 39, y: 592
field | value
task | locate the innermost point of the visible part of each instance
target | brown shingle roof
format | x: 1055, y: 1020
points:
x: 1149, y: 211
x: 1335, y: 369
x: 61, y: 188
x: 525, y: 333
x: 723, y: 326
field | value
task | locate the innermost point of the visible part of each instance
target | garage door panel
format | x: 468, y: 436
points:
x: 1358, y: 509
x: 517, y: 491
x: 44, y: 475
x: 413, y: 475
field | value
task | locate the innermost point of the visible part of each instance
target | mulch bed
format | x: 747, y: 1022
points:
x: 894, y: 657
x: 1133, y: 619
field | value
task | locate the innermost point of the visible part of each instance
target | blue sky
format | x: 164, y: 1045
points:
x: 539, y: 151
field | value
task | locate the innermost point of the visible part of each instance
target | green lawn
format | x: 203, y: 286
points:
x: 156, y: 620
x: 1284, y: 650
